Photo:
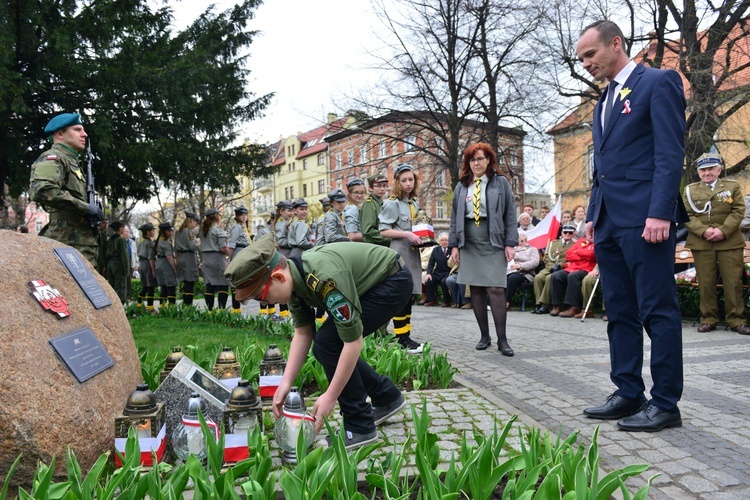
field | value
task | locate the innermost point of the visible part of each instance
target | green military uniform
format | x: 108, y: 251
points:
x: 368, y: 219
x: 58, y: 184
x: 723, y: 208
x: 555, y: 254
x: 118, y: 265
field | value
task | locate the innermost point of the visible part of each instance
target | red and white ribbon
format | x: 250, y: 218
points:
x: 626, y: 107
x: 298, y: 416
x: 196, y: 423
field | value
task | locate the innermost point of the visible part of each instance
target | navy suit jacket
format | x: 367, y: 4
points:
x: 638, y: 158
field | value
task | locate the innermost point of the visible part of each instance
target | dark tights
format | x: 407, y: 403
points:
x: 167, y: 293
x: 187, y: 293
x: 213, y: 290
x: 479, y: 295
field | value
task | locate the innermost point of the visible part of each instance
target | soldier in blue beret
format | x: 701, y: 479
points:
x: 361, y: 286
x: 58, y: 184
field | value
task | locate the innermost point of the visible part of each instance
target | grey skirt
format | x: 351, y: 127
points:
x: 481, y: 264
x: 147, y: 277
x: 213, y: 266
x: 187, y: 267
x: 164, y: 273
x: 412, y: 260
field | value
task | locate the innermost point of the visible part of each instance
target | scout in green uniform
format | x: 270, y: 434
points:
x: 117, y: 261
x: 166, y: 265
x: 186, y: 248
x: 58, y: 185
x: 371, y: 208
x: 553, y: 256
x: 360, y: 285
x: 238, y: 239
x: 147, y: 265
x: 320, y: 238
x: 716, y: 208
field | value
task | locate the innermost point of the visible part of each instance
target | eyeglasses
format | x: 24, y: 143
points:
x: 568, y: 232
x: 477, y: 160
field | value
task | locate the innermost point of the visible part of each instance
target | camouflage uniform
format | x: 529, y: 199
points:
x: 58, y: 184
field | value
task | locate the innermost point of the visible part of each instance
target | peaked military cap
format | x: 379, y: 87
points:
x: 337, y: 195
x: 146, y: 227
x: 401, y: 168
x: 116, y: 225
x: 299, y: 202
x: 708, y: 160
x: 284, y: 204
x: 192, y: 215
x: 376, y: 178
x: 166, y: 226
x: 355, y: 182
x: 212, y: 211
x: 569, y: 228
x: 325, y: 201
x: 61, y: 121
x: 240, y: 210
x: 252, y: 267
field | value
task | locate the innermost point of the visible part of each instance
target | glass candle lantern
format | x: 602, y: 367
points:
x: 226, y: 369
x: 293, y: 421
x: 173, y: 358
x: 187, y: 438
x: 242, y: 416
x: 146, y: 417
x: 271, y: 371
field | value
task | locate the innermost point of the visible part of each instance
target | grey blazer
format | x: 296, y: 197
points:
x: 501, y: 214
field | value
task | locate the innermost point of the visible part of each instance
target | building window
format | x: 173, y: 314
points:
x: 321, y: 187
x: 440, y: 179
x: 291, y: 193
x: 304, y: 164
x: 382, y: 152
x: 350, y: 158
x: 363, y: 154
x: 410, y: 142
x: 286, y: 193
x: 338, y: 161
x: 321, y: 159
x: 304, y: 190
x: 440, y: 209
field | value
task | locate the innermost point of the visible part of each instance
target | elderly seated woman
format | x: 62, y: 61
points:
x: 522, y: 267
x: 524, y: 222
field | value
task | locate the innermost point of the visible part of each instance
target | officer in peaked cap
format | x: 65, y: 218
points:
x: 716, y: 208
x: 299, y: 202
x: 166, y: 226
x: 325, y: 201
x: 376, y: 178
x: 334, y: 227
x: 240, y: 210
x: 146, y: 265
x: 58, y: 184
x: 299, y: 236
x: 554, y: 258
x: 284, y: 204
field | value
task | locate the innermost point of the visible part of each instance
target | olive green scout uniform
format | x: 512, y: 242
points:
x: 118, y: 265
x: 360, y: 285
x: 368, y: 219
x: 555, y: 254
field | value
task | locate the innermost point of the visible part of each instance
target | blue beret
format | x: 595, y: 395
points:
x: 62, y: 121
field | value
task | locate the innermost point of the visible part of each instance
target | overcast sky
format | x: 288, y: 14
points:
x: 307, y: 52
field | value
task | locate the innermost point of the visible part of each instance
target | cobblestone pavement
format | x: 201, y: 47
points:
x: 562, y: 366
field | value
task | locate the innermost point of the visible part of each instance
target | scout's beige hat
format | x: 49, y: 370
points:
x: 252, y: 267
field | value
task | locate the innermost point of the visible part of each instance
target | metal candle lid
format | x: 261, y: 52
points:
x: 243, y: 397
x: 140, y: 401
x: 194, y: 404
x: 294, y: 401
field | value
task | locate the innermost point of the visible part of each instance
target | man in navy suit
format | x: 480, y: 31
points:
x: 638, y: 132
x: 437, y: 271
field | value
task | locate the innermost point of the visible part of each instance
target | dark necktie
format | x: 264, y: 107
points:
x: 610, y: 100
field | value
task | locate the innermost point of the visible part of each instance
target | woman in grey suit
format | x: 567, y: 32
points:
x: 483, y: 235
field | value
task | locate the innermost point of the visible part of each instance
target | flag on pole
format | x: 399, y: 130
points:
x: 547, y: 228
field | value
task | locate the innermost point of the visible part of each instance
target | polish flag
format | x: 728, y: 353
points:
x: 547, y: 229
x: 268, y: 385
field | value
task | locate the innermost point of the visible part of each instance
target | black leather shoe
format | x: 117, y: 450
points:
x: 650, y: 419
x: 616, y: 407
x: 483, y: 344
x: 506, y: 352
x: 541, y: 309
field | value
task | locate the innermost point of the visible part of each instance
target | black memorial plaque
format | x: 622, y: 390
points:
x: 87, y: 281
x: 82, y: 353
